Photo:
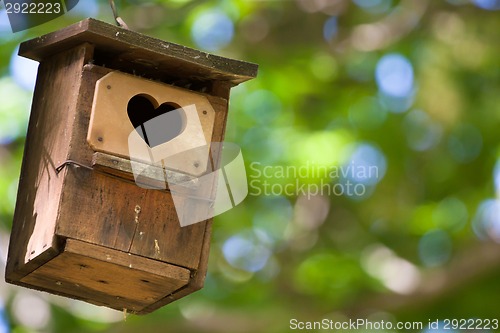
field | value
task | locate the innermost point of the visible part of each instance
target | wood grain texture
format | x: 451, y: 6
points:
x: 124, y: 49
x: 109, y: 277
x: 53, y: 113
x: 113, y: 213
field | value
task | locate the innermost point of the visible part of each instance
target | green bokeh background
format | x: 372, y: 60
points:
x: 415, y: 248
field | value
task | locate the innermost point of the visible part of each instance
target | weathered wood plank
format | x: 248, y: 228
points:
x: 131, y: 47
x: 53, y: 113
x: 116, y: 279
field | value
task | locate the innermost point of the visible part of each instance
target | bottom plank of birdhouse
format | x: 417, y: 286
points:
x: 108, y: 277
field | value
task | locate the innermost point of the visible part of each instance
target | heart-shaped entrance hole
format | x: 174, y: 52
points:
x: 155, y: 124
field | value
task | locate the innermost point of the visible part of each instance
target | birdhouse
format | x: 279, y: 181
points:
x: 96, y: 218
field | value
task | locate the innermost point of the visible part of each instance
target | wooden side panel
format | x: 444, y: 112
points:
x: 109, y: 277
x: 221, y: 111
x: 47, y: 145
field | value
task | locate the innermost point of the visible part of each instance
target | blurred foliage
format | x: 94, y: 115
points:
x: 409, y: 87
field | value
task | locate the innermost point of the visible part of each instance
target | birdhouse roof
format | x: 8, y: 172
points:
x: 119, y: 47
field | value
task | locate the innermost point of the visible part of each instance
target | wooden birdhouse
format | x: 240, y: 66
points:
x: 87, y: 226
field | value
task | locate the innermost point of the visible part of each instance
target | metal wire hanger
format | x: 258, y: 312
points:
x: 118, y: 19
